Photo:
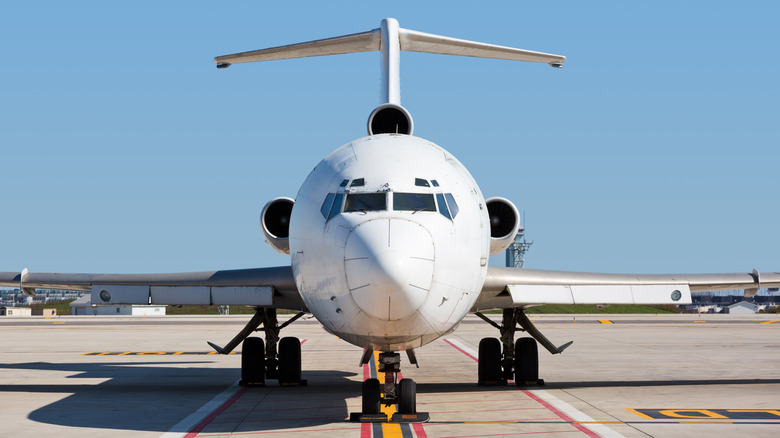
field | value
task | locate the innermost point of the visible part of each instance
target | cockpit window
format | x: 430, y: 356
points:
x: 336, y: 209
x: 442, y: 206
x: 325, y: 209
x: 435, y: 183
x: 452, y: 204
x: 413, y: 202
x: 421, y: 182
x: 365, y: 202
x: 358, y: 182
x: 344, y: 183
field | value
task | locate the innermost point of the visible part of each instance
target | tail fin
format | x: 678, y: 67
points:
x: 390, y: 39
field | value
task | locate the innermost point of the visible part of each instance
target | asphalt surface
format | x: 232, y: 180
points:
x: 626, y: 375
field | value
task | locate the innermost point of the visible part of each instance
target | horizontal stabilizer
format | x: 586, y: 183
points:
x: 390, y: 39
x: 414, y: 41
x: 358, y: 42
x: 410, y: 40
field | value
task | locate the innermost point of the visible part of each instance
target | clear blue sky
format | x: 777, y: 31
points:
x: 123, y: 149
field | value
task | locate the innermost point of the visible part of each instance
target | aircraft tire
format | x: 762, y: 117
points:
x: 489, y: 368
x: 253, y: 362
x: 371, y: 396
x: 289, y: 360
x: 407, y: 397
x: 526, y: 361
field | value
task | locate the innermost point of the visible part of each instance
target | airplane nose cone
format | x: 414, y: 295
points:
x: 389, y: 267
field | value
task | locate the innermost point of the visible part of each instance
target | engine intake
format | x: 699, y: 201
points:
x: 390, y: 119
x: 275, y: 222
x: 504, y: 223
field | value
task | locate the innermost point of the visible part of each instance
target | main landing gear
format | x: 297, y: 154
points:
x: 507, y: 359
x: 261, y: 360
x: 375, y: 394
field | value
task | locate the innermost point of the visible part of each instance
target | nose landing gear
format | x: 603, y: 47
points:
x: 403, y: 394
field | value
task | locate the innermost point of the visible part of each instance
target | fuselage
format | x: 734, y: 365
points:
x: 389, y: 239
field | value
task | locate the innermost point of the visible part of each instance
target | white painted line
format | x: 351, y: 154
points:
x: 181, y: 428
x: 569, y: 410
x: 575, y: 414
x: 474, y: 355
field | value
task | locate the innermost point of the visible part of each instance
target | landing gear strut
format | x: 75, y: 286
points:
x: 507, y: 359
x: 261, y: 360
x: 403, y: 394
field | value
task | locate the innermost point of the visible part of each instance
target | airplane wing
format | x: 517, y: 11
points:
x: 267, y: 287
x: 521, y: 288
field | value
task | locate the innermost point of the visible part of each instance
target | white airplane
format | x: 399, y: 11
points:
x: 389, y: 238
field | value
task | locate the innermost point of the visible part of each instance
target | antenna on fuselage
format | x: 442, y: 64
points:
x: 390, y: 39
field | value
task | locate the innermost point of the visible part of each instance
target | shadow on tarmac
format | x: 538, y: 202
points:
x: 155, y: 396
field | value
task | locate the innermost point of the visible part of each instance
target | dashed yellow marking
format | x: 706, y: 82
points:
x: 389, y: 430
x: 58, y: 322
x: 605, y: 321
x: 768, y: 322
x: 700, y: 320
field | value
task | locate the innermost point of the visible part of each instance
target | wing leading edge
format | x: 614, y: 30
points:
x: 268, y: 287
x: 512, y: 287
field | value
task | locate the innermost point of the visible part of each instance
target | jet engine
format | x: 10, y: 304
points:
x: 275, y: 222
x: 504, y: 223
x: 390, y: 119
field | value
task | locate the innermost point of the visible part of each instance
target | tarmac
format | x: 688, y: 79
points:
x: 627, y: 375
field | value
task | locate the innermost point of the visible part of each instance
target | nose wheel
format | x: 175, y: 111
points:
x: 402, y: 394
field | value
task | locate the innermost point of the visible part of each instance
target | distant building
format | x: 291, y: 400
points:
x: 743, y: 308
x: 15, y: 311
x: 84, y: 306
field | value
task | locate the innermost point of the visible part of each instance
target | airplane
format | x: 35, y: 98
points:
x: 389, y: 238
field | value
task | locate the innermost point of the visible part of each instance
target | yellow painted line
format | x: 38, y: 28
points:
x: 700, y: 320
x: 768, y: 322
x: 58, y: 322
x: 123, y: 354
x: 646, y: 417
x: 605, y: 321
x: 389, y: 430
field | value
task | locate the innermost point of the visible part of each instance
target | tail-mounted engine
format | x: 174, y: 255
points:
x: 275, y: 222
x: 504, y: 223
x: 390, y: 119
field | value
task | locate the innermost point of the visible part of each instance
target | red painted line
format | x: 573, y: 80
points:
x: 492, y: 410
x: 461, y: 350
x: 208, y: 420
x: 512, y: 434
x: 274, y: 432
x: 418, y: 430
x: 563, y: 416
x: 549, y: 407
x: 339, y: 418
x: 365, y: 428
x: 202, y: 425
